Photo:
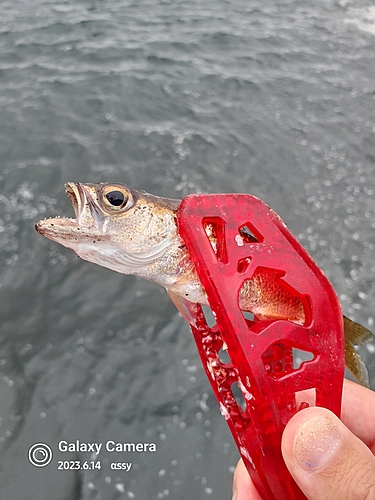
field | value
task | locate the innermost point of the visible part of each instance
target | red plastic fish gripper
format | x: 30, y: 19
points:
x: 247, y: 237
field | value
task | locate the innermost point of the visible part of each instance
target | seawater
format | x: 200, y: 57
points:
x: 270, y: 98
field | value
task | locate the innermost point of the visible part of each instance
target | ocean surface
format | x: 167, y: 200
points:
x: 272, y: 98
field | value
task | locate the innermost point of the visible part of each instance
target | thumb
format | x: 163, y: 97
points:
x: 326, y: 460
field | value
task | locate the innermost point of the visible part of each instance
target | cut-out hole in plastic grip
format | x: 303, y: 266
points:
x: 231, y: 239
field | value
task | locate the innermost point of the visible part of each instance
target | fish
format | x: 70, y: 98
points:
x: 136, y: 233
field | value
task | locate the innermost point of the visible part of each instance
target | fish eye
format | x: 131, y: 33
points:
x: 115, y: 198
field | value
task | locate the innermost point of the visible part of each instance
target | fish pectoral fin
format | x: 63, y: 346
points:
x: 356, y: 365
x: 356, y: 334
x: 186, y: 308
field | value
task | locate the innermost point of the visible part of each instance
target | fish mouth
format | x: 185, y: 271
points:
x: 57, y: 228
x: 76, y: 196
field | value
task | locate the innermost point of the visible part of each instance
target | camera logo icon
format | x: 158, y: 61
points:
x: 40, y: 454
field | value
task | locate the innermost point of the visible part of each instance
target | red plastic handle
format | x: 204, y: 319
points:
x: 237, y: 239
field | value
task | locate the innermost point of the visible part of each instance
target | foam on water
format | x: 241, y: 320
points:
x: 363, y: 18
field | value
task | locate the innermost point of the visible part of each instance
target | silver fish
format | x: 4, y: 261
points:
x: 135, y: 233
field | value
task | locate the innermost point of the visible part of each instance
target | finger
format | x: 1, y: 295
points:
x: 326, y: 459
x: 358, y: 410
x: 243, y: 487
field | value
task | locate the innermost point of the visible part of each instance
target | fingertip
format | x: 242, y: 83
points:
x: 310, y: 438
x: 325, y: 458
x: 243, y: 487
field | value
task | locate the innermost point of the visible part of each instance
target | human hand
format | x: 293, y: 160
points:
x: 327, y: 457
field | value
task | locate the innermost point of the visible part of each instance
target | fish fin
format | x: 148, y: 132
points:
x: 355, y: 364
x: 356, y: 335
x: 187, y: 309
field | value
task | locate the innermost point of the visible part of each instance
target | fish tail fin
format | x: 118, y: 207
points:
x: 356, y: 334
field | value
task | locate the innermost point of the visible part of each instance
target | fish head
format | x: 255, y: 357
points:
x: 117, y: 227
